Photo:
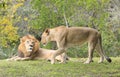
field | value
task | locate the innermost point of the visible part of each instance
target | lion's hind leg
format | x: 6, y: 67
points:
x: 91, y: 46
x: 101, y: 53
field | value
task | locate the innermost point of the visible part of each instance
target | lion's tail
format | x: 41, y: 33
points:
x: 106, y: 57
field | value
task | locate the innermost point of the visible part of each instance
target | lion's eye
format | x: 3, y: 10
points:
x: 27, y: 42
x: 32, y: 42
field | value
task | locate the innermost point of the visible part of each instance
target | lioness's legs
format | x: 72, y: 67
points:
x: 64, y: 56
x: 91, y: 47
x: 100, y: 52
x: 58, y: 52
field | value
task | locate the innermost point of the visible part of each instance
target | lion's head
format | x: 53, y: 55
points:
x: 45, y: 35
x: 52, y: 34
x: 28, y: 44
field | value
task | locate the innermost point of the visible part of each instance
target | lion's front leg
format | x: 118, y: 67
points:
x: 17, y: 58
x: 12, y: 58
x: 25, y: 58
x: 22, y: 59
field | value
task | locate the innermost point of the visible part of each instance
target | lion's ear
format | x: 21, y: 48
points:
x: 21, y: 40
x: 47, y: 31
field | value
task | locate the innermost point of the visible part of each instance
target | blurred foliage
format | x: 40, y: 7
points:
x: 90, y: 13
x: 21, y: 17
x: 8, y: 33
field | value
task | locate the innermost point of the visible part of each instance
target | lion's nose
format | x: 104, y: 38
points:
x: 31, y: 45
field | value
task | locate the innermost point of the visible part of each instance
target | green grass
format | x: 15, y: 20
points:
x: 73, y: 68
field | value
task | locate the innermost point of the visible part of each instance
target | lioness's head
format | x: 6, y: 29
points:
x: 52, y: 34
x: 29, y: 42
x: 46, y: 37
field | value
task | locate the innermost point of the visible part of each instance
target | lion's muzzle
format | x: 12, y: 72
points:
x: 44, y: 44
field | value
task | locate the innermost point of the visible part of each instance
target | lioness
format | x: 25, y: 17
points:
x: 65, y: 37
x: 29, y: 49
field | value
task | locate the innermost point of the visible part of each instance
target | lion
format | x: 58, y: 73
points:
x: 29, y: 49
x: 66, y: 37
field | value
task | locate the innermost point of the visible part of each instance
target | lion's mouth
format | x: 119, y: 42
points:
x: 44, y: 44
x: 30, y: 49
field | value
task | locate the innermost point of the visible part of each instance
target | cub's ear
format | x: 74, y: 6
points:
x: 47, y: 31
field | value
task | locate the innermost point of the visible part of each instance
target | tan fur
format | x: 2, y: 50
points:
x: 22, y: 48
x: 36, y: 53
x: 66, y: 37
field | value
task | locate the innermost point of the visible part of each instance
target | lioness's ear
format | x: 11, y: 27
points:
x: 47, y: 31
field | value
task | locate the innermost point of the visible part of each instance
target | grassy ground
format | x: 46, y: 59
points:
x: 74, y: 68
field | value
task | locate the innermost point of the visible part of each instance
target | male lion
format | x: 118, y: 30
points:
x: 65, y: 37
x: 29, y: 49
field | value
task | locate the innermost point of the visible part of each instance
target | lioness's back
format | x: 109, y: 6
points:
x: 77, y: 28
x: 82, y: 29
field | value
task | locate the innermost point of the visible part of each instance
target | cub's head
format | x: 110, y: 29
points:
x: 30, y: 43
